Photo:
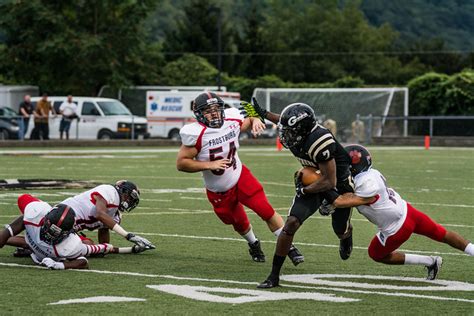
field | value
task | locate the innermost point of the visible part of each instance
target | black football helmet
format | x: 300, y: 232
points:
x: 58, y: 224
x: 129, y: 195
x: 361, y: 160
x: 296, y: 122
x: 203, y: 102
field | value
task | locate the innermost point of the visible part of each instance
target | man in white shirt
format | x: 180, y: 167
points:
x: 68, y: 110
x: 396, y: 219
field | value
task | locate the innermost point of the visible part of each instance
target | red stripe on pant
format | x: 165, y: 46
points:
x: 415, y: 222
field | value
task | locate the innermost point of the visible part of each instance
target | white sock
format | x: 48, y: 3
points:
x: 417, y: 259
x: 250, y: 236
x: 469, y: 249
x: 278, y: 231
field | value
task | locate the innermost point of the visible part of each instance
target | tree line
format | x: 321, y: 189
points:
x: 78, y: 46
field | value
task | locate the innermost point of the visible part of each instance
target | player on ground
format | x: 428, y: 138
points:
x: 210, y: 146
x: 396, y: 219
x: 100, y: 208
x: 314, y: 146
x: 49, y: 233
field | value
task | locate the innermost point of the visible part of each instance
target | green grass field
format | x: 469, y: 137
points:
x: 197, y: 254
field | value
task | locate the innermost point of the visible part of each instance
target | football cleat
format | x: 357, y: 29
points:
x: 433, y: 269
x: 269, y: 283
x: 295, y: 256
x: 256, y: 252
x: 345, y: 247
x: 22, y: 252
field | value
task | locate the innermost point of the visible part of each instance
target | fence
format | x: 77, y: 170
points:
x: 366, y: 127
x: 13, y: 127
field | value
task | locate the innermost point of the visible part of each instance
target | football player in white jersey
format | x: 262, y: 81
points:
x: 100, y: 208
x: 210, y: 146
x: 49, y: 233
x: 396, y: 219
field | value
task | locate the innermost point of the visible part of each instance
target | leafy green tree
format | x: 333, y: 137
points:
x: 428, y: 94
x: 189, y: 70
x: 78, y: 46
x: 197, y: 33
x: 324, y: 42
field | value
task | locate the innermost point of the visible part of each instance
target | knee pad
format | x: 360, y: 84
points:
x: 241, y: 227
x: 373, y: 255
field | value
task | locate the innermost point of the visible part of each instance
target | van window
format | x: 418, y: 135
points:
x: 88, y: 108
x: 113, y: 108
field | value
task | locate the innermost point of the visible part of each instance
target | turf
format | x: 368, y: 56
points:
x: 195, y: 246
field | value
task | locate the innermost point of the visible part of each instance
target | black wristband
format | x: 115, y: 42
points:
x: 330, y: 195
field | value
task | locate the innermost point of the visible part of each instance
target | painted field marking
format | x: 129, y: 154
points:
x: 296, y: 243
x: 204, y: 293
x: 99, y: 299
x: 444, y: 285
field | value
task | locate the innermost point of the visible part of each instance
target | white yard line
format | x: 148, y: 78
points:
x: 297, y: 243
x: 175, y: 150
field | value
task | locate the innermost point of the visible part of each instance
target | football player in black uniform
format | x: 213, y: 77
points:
x: 315, y: 146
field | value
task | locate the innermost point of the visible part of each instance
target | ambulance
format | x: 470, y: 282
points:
x: 168, y: 111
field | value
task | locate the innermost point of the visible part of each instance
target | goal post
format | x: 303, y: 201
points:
x: 349, y: 110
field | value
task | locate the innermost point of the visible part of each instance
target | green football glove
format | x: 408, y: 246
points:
x: 253, y: 109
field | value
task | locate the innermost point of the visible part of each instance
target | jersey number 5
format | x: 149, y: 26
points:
x: 230, y: 156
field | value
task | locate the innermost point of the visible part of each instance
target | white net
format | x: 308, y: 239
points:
x: 346, y: 112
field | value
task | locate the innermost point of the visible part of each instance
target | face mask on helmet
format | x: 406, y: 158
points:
x: 361, y: 159
x: 58, y: 224
x: 209, y: 109
x: 297, y: 121
x: 129, y: 195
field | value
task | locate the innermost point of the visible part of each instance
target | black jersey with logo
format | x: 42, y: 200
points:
x: 320, y: 145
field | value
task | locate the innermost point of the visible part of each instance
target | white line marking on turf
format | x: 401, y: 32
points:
x: 296, y: 243
x: 99, y: 299
x: 255, y: 283
x: 204, y: 293
x: 447, y: 205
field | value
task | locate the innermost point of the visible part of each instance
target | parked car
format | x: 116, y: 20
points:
x: 9, y: 127
x: 99, y: 118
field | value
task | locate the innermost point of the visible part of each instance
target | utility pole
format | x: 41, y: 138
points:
x: 219, y: 48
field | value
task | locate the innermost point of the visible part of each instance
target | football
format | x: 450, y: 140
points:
x: 310, y: 174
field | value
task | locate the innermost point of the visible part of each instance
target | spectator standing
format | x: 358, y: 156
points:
x: 68, y: 109
x: 26, y: 109
x: 41, y: 114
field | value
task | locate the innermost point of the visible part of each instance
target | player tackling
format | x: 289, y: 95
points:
x: 49, y: 233
x: 396, y: 219
x: 210, y: 146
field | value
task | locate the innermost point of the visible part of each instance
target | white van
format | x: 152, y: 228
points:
x: 99, y: 118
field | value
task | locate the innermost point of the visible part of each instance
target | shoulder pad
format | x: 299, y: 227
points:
x: 35, y: 211
x: 233, y: 113
x: 190, y: 134
x: 318, y: 144
x: 366, y: 185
